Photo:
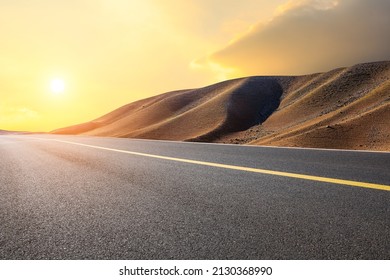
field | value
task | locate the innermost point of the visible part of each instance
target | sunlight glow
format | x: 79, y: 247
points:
x: 57, y: 86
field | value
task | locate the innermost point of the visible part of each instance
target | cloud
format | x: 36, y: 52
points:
x: 308, y: 36
x: 14, y: 115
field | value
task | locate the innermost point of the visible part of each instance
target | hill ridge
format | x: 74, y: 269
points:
x: 304, y: 110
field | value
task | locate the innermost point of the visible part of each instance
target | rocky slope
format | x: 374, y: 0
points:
x: 343, y: 108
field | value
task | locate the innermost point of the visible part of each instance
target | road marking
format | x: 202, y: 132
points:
x: 244, y: 145
x: 247, y: 145
x: 241, y: 168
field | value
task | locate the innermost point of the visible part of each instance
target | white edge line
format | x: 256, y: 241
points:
x: 234, y: 167
x: 219, y: 144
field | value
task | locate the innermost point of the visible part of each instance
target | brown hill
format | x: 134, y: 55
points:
x: 344, y: 108
x: 6, y: 132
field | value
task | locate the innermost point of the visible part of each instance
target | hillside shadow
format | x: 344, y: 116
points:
x: 248, y: 105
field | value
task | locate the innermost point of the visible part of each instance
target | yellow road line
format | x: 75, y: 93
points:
x: 242, y: 168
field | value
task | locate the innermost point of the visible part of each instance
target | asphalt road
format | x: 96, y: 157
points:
x: 102, y: 200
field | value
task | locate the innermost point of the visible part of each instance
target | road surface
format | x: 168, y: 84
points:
x: 72, y: 197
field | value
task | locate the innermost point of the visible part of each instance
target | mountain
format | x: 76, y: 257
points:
x: 345, y: 108
x: 3, y: 132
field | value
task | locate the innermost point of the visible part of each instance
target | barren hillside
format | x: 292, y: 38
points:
x: 344, y: 108
x: 4, y: 132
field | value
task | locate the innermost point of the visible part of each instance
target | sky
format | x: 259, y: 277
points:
x: 105, y: 54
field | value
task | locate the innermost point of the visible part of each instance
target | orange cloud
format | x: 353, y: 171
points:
x: 311, y: 36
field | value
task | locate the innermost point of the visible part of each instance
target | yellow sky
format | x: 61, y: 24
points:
x: 109, y: 53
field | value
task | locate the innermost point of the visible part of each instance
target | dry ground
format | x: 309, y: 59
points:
x: 347, y: 108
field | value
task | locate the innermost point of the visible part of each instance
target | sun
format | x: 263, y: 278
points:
x: 57, y: 86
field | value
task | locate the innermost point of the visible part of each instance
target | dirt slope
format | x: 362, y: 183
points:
x: 202, y: 114
x: 6, y: 132
x: 344, y: 108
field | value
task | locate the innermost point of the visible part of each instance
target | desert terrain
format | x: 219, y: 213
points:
x: 5, y: 132
x: 346, y: 108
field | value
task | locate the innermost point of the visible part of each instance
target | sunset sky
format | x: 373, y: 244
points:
x: 66, y: 62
